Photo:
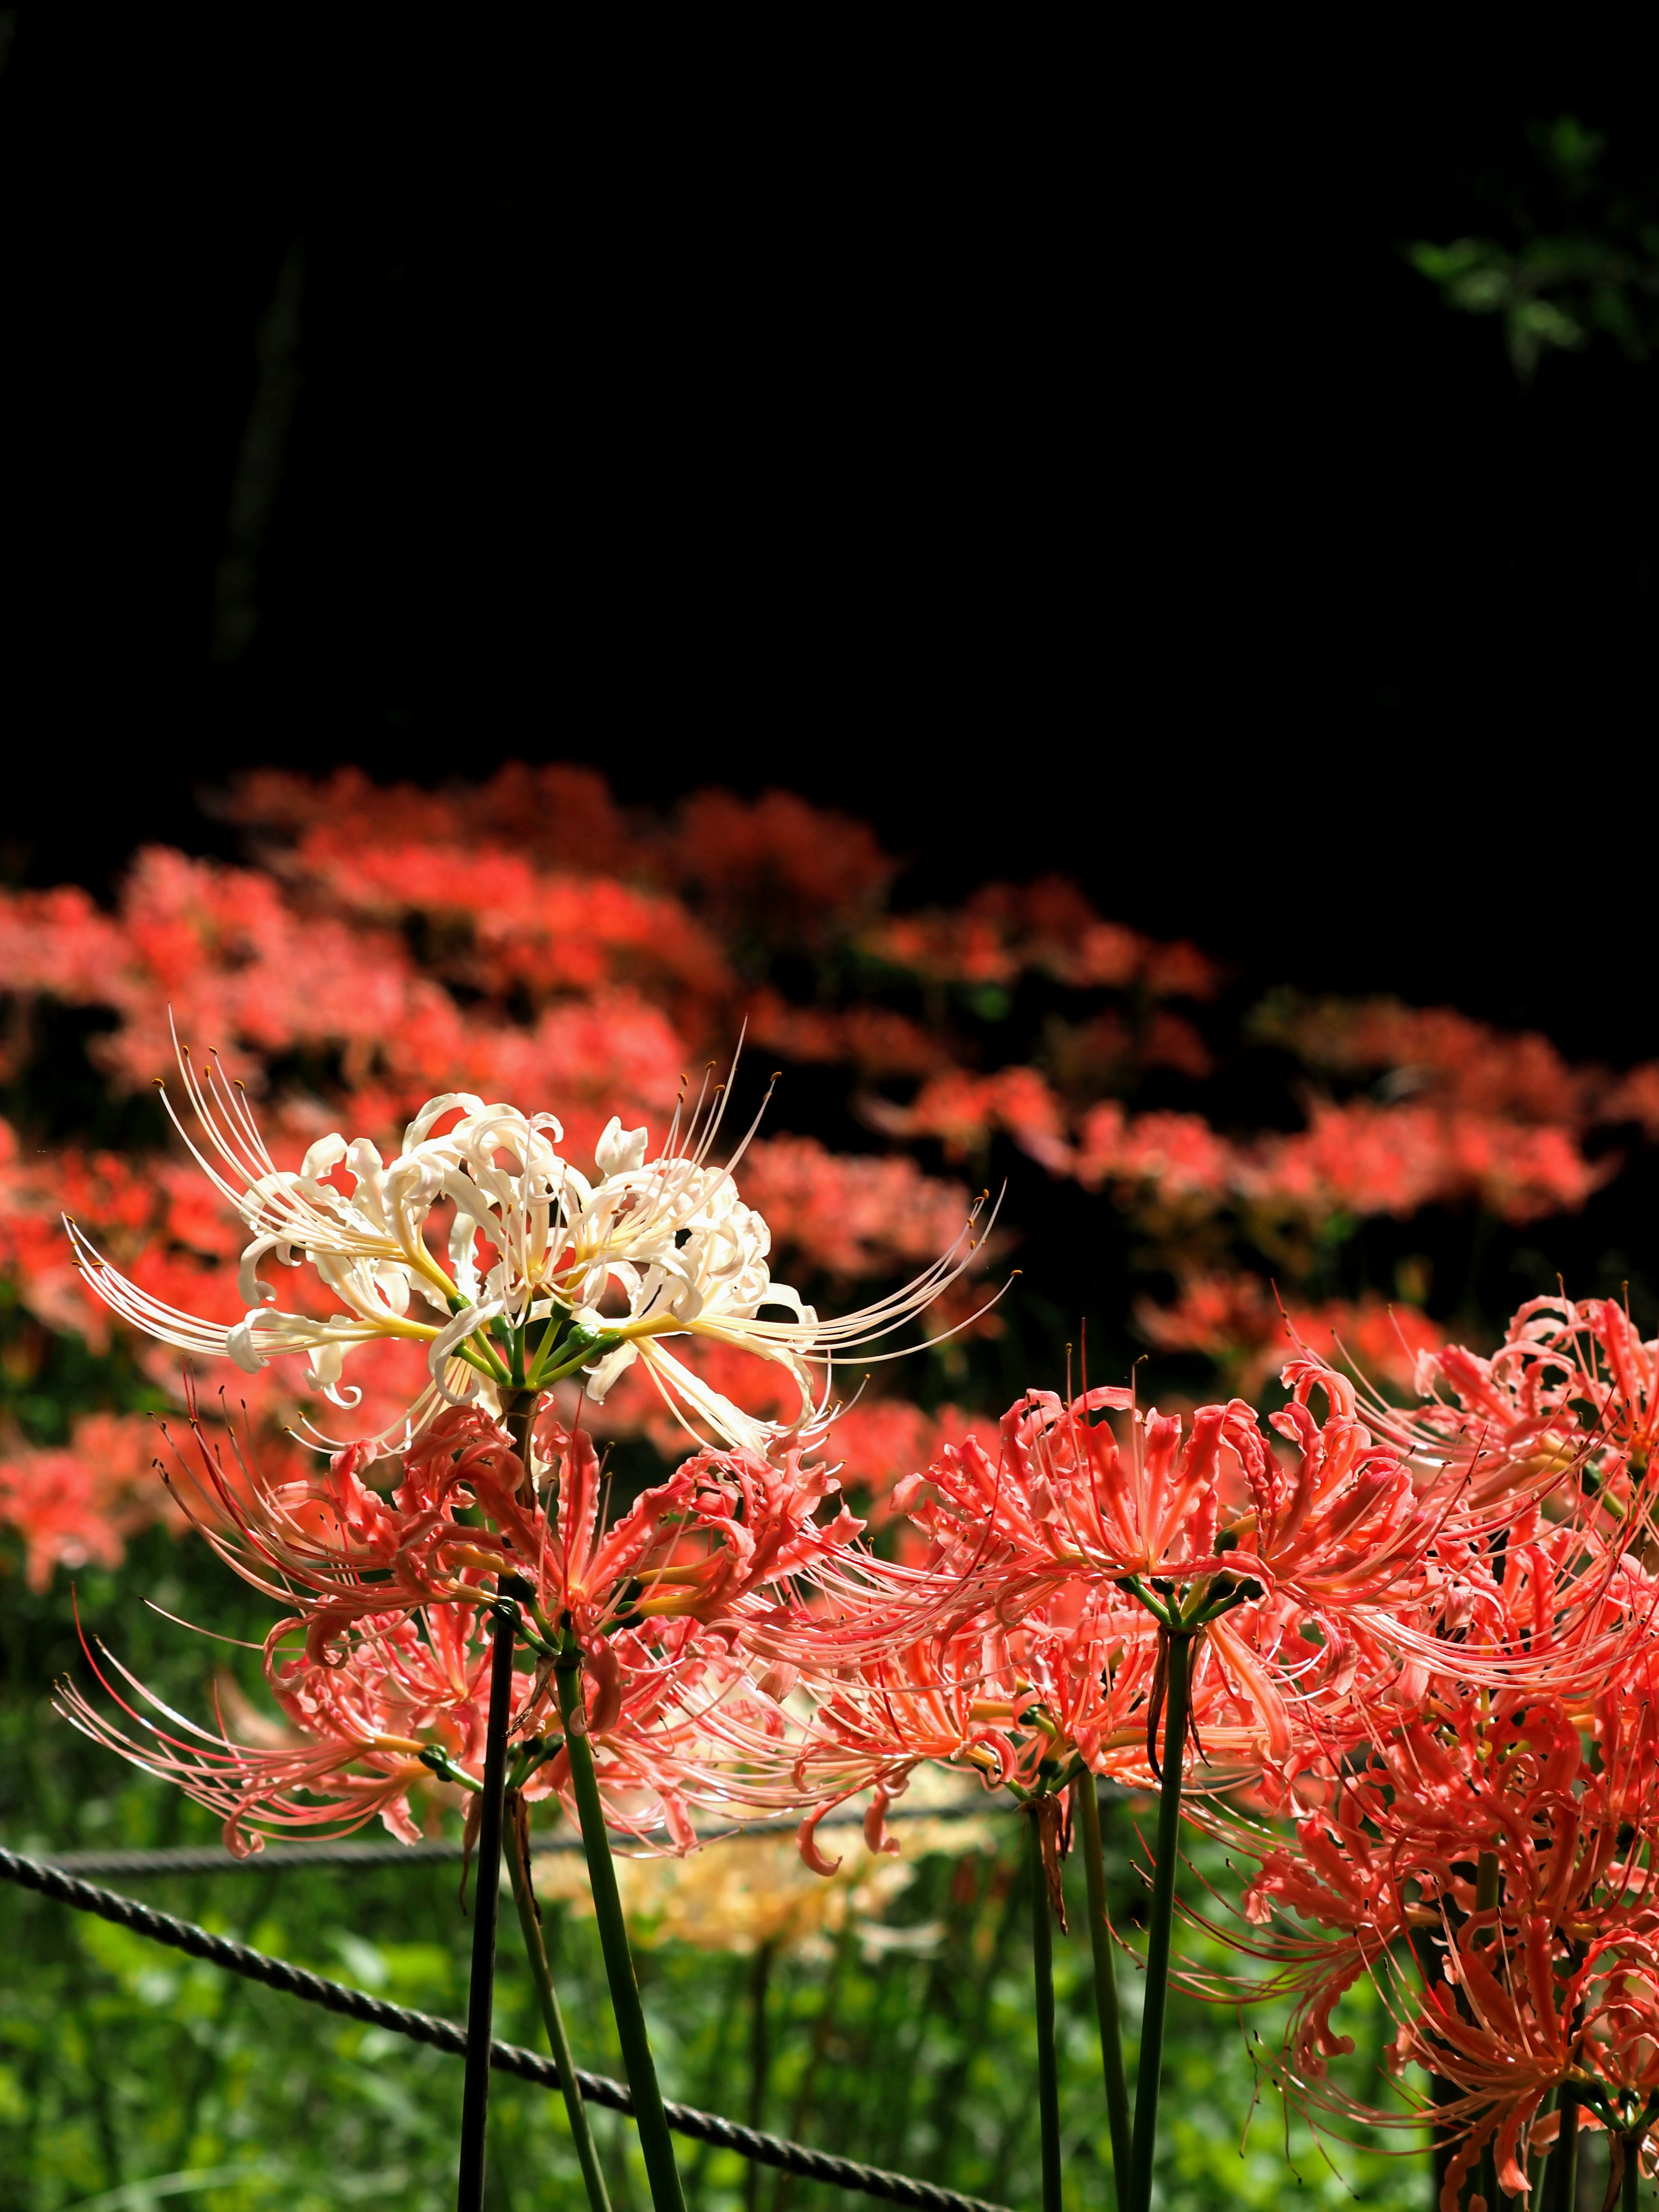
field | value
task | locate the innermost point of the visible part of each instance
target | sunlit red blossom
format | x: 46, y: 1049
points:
x: 1634, y: 1096
x: 1039, y: 1538
x: 157, y: 1211
x: 1350, y: 1551
x: 1486, y: 1984
x: 1005, y: 929
x: 1521, y: 2014
x: 511, y: 923
x: 237, y: 966
x: 57, y: 944
x: 964, y: 1111
x: 240, y: 967
x: 850, y: 1216
x: 1520, y: 2035
x: 390, y: 1646
x: 1509, y: 1774
x: 874, y: 1039
x: 1389, y: 1550
x: 561, y: 814
x: 704, y: 1545
x: 77, y: 1504
x: 1616, y: 1383
x: 1465, y: 1062
x: 997, y: 1701
x: 1064, y: 1685
x: 775, y: 862
x: 1179, y: 1155
x: 1527, y: 1418
x: 1237, y: 1321
x: 353, y: 1729
x: 1361, y: 1157
x: 1366, y: 1158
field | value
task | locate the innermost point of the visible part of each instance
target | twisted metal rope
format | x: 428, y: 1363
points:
x: 213, y: 1858
x: 444, y: 2035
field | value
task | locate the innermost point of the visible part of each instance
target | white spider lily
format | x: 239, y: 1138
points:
x: 549, y: 1273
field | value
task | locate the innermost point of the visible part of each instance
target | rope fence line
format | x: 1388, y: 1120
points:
x: 213, y: 1858
x: 445, y: 2035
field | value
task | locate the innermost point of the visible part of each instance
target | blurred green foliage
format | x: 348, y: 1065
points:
x: 1580, y: 257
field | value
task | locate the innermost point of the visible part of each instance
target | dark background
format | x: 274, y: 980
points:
x: 1045, y: 454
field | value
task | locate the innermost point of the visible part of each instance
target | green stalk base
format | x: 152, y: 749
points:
x: 1150, y: 2069
x: 656, y: 2142
x: 1086, y: 1804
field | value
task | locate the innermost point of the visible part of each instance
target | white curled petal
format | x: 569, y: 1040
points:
x: 444, y: 1346
x: 619, y: 1150
x: 251, y: 1289
x: 434, y: 1110
x: 238, y: 1343
x: 327, y: 1152
x: 599, y: 1378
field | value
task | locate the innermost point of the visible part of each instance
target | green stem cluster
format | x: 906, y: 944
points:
x: 1182, y: 1622
x: 502, y: 1350
x: 1149, y: 2071
x: 558, y: 2042
x: 495, y: 1797
x: 481, y: 1994
x: 655, y: 2141
x: 1043, y: 1960
x: 1086, y: 1804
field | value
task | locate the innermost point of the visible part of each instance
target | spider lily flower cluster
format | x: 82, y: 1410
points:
x: 545, y: 1272
x: 1476, y: 1836
x: 1425, y: 1640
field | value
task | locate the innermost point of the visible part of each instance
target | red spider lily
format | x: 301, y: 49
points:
x: 1526, y: 1419
x: 1517, y: 2025
x: 1489, y: 1873
x: 1336, y: 1528
x: 357, y: 1730
x: 319, y: 1535
x: 402, y: 1700
x: 1064, y: 1503
x: 965, y: 1700
x: 1073, y: 1684
x: 656, y: 1604
x: 701, y: 1545
x: 724, y: 1525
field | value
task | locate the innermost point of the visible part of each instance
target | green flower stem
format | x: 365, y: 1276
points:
x: 1157, y: 1934
x: 542, y: 1377
x: 1086, y: 1804
x: 760, y: 2059
x: 1563, y: 2188
x: 553, y: 2020
x: 486, y: 1903
x: 1630, y: 2194
x: 1043, y: 1960
x: 655, y: 2141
